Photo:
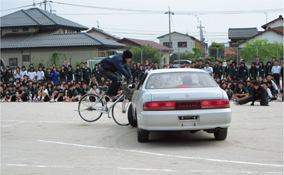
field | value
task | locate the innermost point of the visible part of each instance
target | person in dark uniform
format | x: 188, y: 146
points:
x: 243, y: 72
x: 228, y: 68
x: 215, y: 68
x: 261, y: 70
x: 141, y: 72
x: 96, y: 72
x: 70, y: 73
x: 234, y: 71
x: 240, y: 92
x: 87, y: 73
x: 78, y: 73
x: 253, y: 72
x: 227, y: 90
x: 258, y: 92
x: 196, y: 64
x: 268, y: 68
x: 201, y: 66
x: 134, y: 72
x: 221, y: 71
x: 21, y: 94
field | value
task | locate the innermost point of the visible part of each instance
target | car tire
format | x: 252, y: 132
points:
x: 222, y: 134
x: 142, y: 135
x: 131, y: 120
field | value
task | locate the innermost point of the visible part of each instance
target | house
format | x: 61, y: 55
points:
x: 130, y: 42
x: 32, y: 35
x: 273, y: 32
x: 100, y: 33
x: 230, y: 53
x: 241, y: 34
x: 181, y: 42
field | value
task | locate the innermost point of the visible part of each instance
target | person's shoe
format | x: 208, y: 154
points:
x: 236, y: 100
x: 30, y: 100
x: 41, y: 100
x: 9, y: 100
x: 66, y: 100
x: 51, y: 100
x: 55, y: 100
x: 279, y: 99
x: 20, y: 100
x: 17, y: 100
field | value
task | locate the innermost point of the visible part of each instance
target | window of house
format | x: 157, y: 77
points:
x: 164, y: 60
x: 26, y: 29
x: 66, y: 31
x: 26, y: 58
x: 13, y: 62
x: 182, y: 44
x: 167, y: 44
x: 15, y: 29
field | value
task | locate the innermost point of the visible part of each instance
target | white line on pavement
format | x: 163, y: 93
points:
x: 38, y: 166
x: 200, y: 171
x: 12, y: 124
x: 165, y: 155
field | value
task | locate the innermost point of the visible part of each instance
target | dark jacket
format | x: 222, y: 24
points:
x: 259, y: 93
x: 116, y: 63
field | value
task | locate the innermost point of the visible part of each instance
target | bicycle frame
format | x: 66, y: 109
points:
x: 105, y: 108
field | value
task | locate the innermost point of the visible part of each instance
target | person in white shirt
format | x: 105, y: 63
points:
x: 23, y: 72
x: 268, y: 90
x: 187, y: 65
x: 32, y: 74
x: 208, y: 69
x: 148, y: 68
x: 269, y: 78
x: 276, y: 73
x: 40, y: 74
x: 17, y: 73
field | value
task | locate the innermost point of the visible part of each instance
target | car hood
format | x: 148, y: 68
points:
x: 184, y: 94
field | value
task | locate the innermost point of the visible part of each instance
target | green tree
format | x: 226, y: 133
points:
x: 147, y: 53
x: 262, y: 49
x: 213, y: 50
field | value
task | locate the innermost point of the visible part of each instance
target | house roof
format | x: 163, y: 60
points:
x: 265, y: 25
x: 54, y: 39
x: 103, y: 32
x: 242, y: 33
x: 260, y: 33
x: 37, y: 17
x: 147, y: 42
x: 179, y: 34
x: 228, y: 51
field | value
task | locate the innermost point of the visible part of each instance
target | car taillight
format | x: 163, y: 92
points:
x: 213, y: 104
x: 186, y: 105
x: 158, y: 106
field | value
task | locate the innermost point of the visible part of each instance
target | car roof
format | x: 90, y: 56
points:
x: 175, y: 70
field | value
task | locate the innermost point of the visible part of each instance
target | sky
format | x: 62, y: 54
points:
x: 148, y: 25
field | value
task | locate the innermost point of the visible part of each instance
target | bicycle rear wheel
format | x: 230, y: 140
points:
x: 88, y: 107
x: 120, y: 112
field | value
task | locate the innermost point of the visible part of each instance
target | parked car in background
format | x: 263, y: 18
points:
x: 177, y: 62
x: 179, y: 100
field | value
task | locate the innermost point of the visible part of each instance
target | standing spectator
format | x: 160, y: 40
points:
x: 221, y: 71
x: 23, y: 72
x: 215, y: 68
x: 181, y: 65
x: 257, y: 62
x: 66, y: 64
x: 54, y: 66
x: 243, y: 72
x: 87, y: 73
x: 228, y: 68
x: 31, y: 65
x: 40, y: 74
x: 258, y: 92
x: 9, y: 75
x: 156, y: 65
x: 62, y: 73
x: 17, y: 73
x: 208, y: 69
x: 253, y: 71
x: 47, y: 76
x: 261, y: 70
x: 146, y: 62
x: 141, y: 72
x: 171, y: 65
x: 276, y: 70
x: 234, y: 71
x: 78, y: 74
x: 148, y: 68
x: 32, y: 74
x: 196, y: 64
x: 187, y: 65
x: 201, y: 66
x: 268, y: 68
x: 134, y: 71
x: 54, y: 76
x: 70, y: 73
x: 96, y: 72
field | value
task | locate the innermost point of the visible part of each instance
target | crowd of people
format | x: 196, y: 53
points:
x: 70, y: 84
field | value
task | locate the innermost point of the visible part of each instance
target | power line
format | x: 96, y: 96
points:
x: 17, y: 8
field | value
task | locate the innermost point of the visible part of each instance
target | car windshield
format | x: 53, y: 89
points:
x: 180, y: 80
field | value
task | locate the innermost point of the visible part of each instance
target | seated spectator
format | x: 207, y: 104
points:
x: 208, y: 69
x: 42, y: 93
x: 240, y: 92
x: 50, y: 91
x: 10, y: 93
x: 85, y: 89
x: 25, y: 80
x: 72, y: 94
x: 249, y: 87
x: 234, y: 86
x: 272, y: 89
x: 57, y: 94
x: 269, y: 78
x: 94, y: 90
x: 269, y: 94
x: 258, y: 92
x: 281, y: 98
x: 227, y: 90
x: 33, y: 92
x: 2, y: 95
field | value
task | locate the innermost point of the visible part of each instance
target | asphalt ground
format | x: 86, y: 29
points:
x: 51, y: 138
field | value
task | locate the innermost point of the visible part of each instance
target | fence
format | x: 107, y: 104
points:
x: 139, y: 56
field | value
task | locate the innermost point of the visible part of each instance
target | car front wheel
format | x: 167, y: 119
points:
x: 142, y: 135
x: 222, y: 134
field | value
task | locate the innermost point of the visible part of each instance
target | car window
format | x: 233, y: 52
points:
x: 142, y: 81
x: 176, y: 62
x: 180, y: 80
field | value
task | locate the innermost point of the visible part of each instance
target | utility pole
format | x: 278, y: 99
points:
x: 44, y: 4
x: 170, y: 13
x: 200, y: 27
x: 266, y: 17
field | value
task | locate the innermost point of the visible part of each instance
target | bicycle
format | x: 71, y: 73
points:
x: 91, y: 103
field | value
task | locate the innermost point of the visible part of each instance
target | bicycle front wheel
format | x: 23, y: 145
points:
x: 89, y: 107
x: 120, y: 112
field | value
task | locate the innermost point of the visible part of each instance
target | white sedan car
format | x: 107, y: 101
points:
x: 179, y: 100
